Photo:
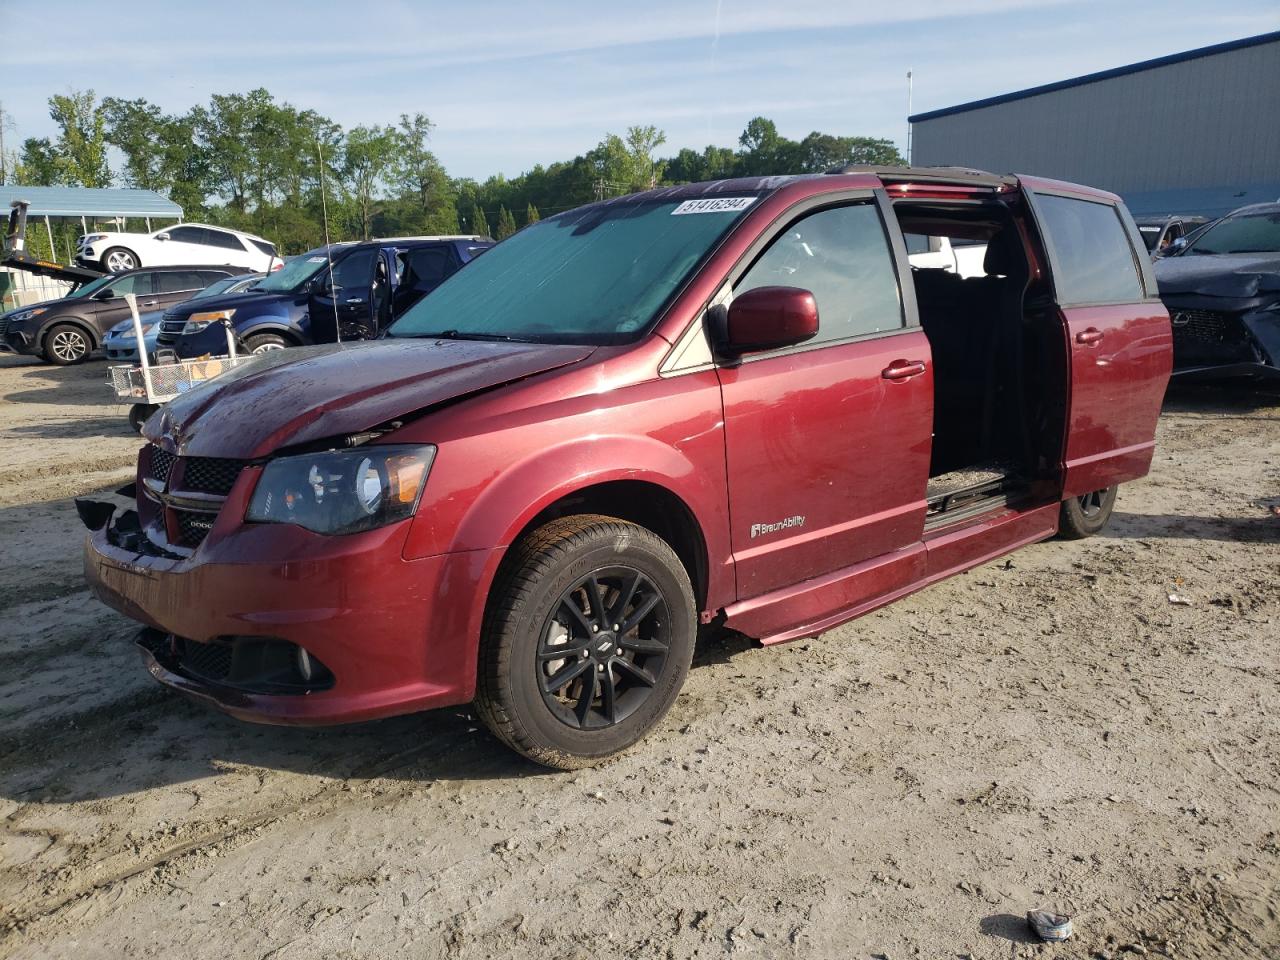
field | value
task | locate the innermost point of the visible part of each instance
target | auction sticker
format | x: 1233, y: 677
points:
x: 714, y: 205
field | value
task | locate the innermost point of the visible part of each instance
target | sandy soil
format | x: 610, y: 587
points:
x: 1048, y: 731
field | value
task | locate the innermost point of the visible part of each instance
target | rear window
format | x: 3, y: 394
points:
x: 178, y: 281
x: 228, y: 241
x: 268, y: 248
x: 1092, y: 259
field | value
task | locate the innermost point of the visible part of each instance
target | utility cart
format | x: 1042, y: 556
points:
x: 148, y: 385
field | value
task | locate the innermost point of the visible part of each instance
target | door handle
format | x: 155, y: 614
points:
x: 1089, y: 337
x: 903, y: 369
x: 356, y: 300
x: 149, y: 303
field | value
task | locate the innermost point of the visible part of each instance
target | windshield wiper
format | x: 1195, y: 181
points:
x: 460, y: 335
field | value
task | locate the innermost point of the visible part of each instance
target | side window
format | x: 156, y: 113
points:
x: 210, y: 276
x: 228, y: 241
x: 916, y: 243
x: 186, y: 234
x: 1092, y: 259
x: 139, y: 284
x: 178, y: 281
x: 427, y: 267
x: 355, y: 270
x: 842, y: 257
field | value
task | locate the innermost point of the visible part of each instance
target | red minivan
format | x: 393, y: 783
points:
x: 731, y: 404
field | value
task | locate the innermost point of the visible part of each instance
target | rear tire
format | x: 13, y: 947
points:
x: 265, y: 342
x: 119, y: 259
x: 1084, y: 516
x: 66, y: 344
x: 626, y: 652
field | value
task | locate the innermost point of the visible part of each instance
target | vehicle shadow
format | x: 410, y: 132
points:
x: 1223, y: 398
x: 1006, y: 926
x: 1146, y: 526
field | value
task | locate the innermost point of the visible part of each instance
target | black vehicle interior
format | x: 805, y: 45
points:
x: 999, y: 363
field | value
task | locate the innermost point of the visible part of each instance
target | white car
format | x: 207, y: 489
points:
x: 186, y: 244
x: 963, y: 257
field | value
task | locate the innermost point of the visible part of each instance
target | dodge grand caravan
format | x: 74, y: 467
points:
x: 729, y: 404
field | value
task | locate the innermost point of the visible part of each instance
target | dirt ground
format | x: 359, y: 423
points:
x: 1049, y: 731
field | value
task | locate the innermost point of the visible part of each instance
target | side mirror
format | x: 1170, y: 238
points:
x: 163, y: 236
x: 106, y: 294
x: 768, y: 318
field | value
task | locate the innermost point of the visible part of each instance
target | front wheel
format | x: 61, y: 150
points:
x: 1084, y: 516
x: 587, y: 640
x: 140, y: 413
x: 118, y: 260
x: 66, y: 344
x: 265, y: 343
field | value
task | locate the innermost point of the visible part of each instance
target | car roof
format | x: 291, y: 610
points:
x: 214, y: 226
x: 1255, y: 208
x: 228, y: 269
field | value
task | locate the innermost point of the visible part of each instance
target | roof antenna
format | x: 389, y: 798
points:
x: 328, y: 248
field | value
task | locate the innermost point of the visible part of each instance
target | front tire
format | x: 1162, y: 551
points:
x: 587, y: 640
x: 265, y: 342
x: 1084, y: 516
x: 66, y: 344
x: 119, y: 259
x: 140, y: 413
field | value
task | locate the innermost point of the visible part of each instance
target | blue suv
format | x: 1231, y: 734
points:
x: 349, y: 291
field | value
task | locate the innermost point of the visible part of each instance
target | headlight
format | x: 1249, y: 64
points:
x: 22, y: 315
x: 128, y: 331
x: 95, y: 237
x: 198, y: 321
x: 342, y: 491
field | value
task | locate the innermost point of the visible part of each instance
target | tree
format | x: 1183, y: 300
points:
x: 366, y: 157
x: 531, y: 215
x: 416, y: 169
x: 641, y: 142
x: 506, y: 224
x: 479, y: 224
x: 81, y: 147
x: 39, y: 165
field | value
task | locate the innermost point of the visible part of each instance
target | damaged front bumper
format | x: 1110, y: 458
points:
x: 1216, y: 340
x: 279, y: 625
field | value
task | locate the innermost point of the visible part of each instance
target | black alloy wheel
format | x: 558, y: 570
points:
x: 1086, y: 515
x: 603, y: 648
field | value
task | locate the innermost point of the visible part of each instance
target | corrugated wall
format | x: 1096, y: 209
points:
x: 1206, y: 123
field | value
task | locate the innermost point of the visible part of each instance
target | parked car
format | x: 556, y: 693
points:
x: 371, y: 283
x: 1163, y: 234
x: 730, y: 404
x: 1222, y: 289
x: 121, y: 343
x: 186, y: 243
x: 67, y: 330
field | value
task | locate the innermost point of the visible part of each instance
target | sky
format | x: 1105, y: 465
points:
x: 510, y: 84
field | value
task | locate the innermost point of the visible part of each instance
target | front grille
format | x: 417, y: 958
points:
x: 210, y: 661
x: 1208, y: 337
x: 4, y: 326
x: 169, y: 330
x: 161, y: 464
x: 193, y: 526
x: 210, y: 474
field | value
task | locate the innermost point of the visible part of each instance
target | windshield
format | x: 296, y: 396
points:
x: 90, y: 288
x: 293, y: 274
x: 1249, y: 233
x: 217, y: 287
x: 596, y: 275
x: 1149, y: 236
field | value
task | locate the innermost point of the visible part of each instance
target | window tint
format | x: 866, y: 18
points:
x: 355, y: 270
x: 268, y: 248
x: 211, y: 276
x: 177, y: 281
x: 1093, y: 262
x: 425, y: 268
x: 219, y: 238
x: 916, y: 243
x: 135, y: 283
x: 186, y: 234
x: 842, y: 257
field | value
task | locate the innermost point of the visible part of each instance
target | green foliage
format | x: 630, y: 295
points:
x: 506, y: 224
x: 249, y: 161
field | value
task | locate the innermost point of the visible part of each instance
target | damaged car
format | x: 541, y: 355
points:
x: 1222, y: 289
x: 723, y: 405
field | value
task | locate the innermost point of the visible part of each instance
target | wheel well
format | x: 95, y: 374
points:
x: 86, y: 328
x: 120, y: 246
x: 644, y: 504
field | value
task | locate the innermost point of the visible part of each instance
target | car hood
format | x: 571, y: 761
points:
x: 1235, y: 275
x: 125, y: 327
x: 43, y: 304
x: 227, y: 301
x: 306, y: 394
